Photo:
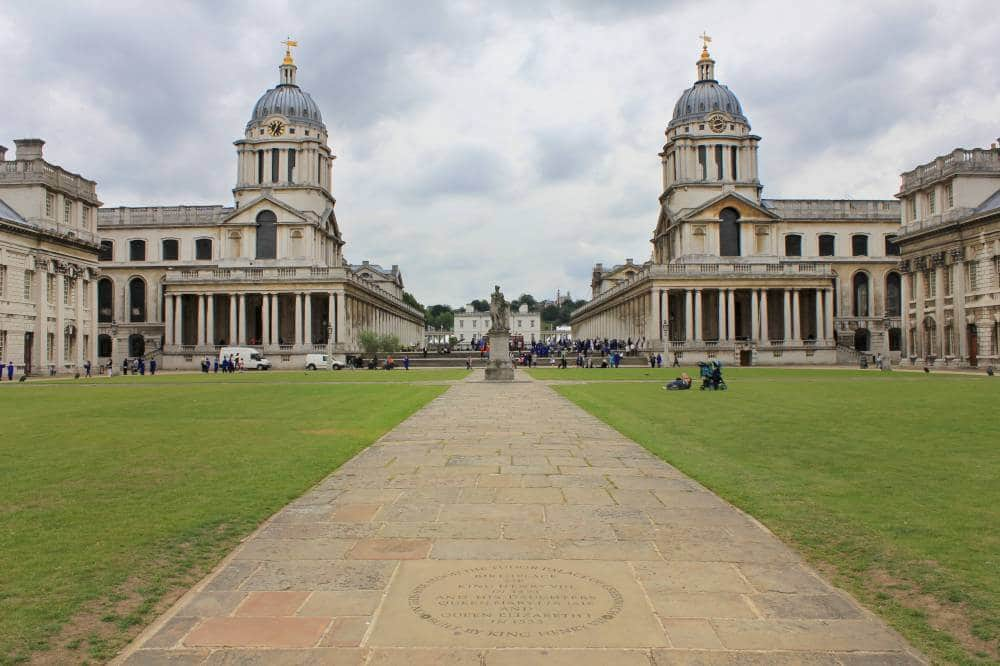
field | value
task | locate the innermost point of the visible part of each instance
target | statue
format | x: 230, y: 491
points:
x: 499, y: 311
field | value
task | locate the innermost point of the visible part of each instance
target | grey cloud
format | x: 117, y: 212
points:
x: 568, y: 152
x: 468, y: 170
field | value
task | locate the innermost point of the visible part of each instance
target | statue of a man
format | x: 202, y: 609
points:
x: 499, y: 311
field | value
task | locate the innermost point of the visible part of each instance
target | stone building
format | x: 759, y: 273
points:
x: 950, y: 243
x: 471, y: 325
x: 741, y: 278
x: 48, y: 263
x: 268, y: 272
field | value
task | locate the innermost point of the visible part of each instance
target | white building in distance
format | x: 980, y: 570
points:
x: 471, y: 325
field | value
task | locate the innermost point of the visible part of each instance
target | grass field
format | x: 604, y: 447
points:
x: 890, y: 482
x: 272, y: 377
x: 112, y: 500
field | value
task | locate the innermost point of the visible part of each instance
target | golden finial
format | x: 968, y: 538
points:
x: 289, y: 43
x: 705, y: 41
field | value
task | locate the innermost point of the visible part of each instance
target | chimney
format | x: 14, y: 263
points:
x: 3, y: 153
x: 29, y: 149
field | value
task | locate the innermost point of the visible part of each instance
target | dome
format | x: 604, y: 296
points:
x: 704, y: 98
x: 288, y: 100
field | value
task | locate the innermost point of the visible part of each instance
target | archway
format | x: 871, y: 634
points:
x: 105, y: 300
x: 136, y: 345
x: 267, y: 235
x: 137, y: 300
x: 893, y: 295
x: 973, y: 341
x: 862, y: 340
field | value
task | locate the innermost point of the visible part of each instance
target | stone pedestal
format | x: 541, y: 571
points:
x: 499, y: 368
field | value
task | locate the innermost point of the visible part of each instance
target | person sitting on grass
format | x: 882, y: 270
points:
x: 682, y: 383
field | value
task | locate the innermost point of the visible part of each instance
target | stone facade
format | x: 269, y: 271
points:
x: 48, y: 264
x: 745, y: 279
x: 268, y: 272
x: 950, y: 243
x: 471, y: 325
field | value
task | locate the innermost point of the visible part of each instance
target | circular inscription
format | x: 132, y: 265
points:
x: 515, y: 601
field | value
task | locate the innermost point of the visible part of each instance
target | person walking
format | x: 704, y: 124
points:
x: 86, y: 368
x: 152, y: 366
x: 659, y: 360
x: 10, y: 370
x: 406, y: 361
x: 125, y: 366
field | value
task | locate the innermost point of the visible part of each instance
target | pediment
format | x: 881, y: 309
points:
x: 247, y: 214
x: 710, y: 211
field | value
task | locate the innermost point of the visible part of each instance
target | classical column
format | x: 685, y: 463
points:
x: 764, y: 337
x: 958, y: 310
x: 731, y: 313
x: 309, y: 321
x: 754, y: 315
x: 210, y: 320
x: 787, y: 332
x: 80, y: 327
x: 818, y: 311
x: 721, y: 306
x: 796, y: 316
x: 179, y: 320
x: 340, y: 331
x: 653, y: 327
x: 265, y: 319
x: 231, y: 337
x: 828, y: 306
x: 331, y: 317
x: 241, y: 328
x: 60, y: 337
x: 93, y: 319
x: 939, y: 311
x: 298, y: 319
x: 920, y: 344
x: 201, y: 320
x: 688, y: 315
x: 275, y: 317
x: 699, y: 306
x: 904, y: 314
x: 168, y: 324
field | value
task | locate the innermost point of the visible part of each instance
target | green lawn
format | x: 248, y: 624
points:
x: 110, y: 499
x: 888, y: 482
x: 273, y: 376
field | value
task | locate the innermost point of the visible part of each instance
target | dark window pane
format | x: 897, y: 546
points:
x: 267, y: 235
x: 137, y: 300
x: 105, y: 301
x: 859, y: 246
x: 203, y: 249
x: 107, y: 252
x: 793, y: 246
x: 893, y: 295
x: 274, y: 165
x: 137, y: 250
x: 170, y: 250
x: 826, y: 245
x: 729, y: 233
x: 891, y: 249
x: 291, y: 163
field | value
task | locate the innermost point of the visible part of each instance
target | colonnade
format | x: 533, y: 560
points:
x: 714, y: 315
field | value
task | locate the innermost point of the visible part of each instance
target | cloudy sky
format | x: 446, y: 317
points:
x: 510, y: 142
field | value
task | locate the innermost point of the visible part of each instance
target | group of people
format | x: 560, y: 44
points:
x: 10, y: 371
x: 136, y: 365
x: 231, y: 363
x: 390, y: 363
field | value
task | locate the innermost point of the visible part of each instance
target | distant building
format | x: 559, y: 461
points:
x: 471, y: 325
x: 48, y: 263
x: 741, y: 278
x: 950, y: 244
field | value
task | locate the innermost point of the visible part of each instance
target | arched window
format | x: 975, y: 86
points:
x: 136, y: 345
x: 862, y: 340
x: 203, y: 249
x: 104, y: 345
x: 137, y: 250
x: 859, y: 245
x: 170, y: 249
x: 267, y: 235
x: 893, y: 295
x: 827, y: 245
x: 793, y: 245
x: 729, y: 233
x: 860, y: 294
x: 137, y: 299
x: 107, y: 252
x: 105, y: 300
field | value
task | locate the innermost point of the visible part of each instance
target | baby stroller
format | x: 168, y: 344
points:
x: 711, y: 376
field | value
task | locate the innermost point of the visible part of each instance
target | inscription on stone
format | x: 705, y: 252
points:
x: 515, y: 600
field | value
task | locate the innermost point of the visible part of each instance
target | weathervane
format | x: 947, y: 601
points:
x: 289, y: 43
x: 705, y: 41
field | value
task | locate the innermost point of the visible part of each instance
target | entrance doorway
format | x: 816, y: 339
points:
x: 136, y: 345
x: 746, y: 357
x: 29, y: 345
x: 973, y: 333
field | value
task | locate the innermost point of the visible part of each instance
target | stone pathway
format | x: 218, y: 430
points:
x: 469, y: 535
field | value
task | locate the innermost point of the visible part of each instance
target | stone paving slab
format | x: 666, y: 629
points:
x: 471, y: 535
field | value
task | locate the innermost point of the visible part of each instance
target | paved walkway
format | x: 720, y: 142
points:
x: 470, y: 536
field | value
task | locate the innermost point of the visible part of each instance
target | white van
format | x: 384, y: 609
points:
x: 252, y: 359
x: 323, y: 362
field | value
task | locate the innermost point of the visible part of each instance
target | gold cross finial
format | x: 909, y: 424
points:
x: 705, y: 41
x: 289, y: 43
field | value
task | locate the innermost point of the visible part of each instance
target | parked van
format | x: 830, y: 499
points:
x: 252, y: 359
x: 323, y: 362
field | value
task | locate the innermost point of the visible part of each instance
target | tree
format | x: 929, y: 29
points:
x: 527, y: 299
x: 410, y: 300
x: 369, y: 341
x: 388, y: 342
x: 480, y: 305
x: 440, y: 317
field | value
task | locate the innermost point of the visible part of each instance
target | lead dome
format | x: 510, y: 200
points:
x: 287, y: 99
x: 706, y: 96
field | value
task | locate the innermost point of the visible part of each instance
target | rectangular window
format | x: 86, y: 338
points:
x: 972, y: 268
x: 793, y: 245
x: 67, y: 291
x: 86, y: 292
x: 203, y: 249
x: 50, y: 347
x: 274, y: 165
x: 827, y: 245
x: 859, y: 245
x: 85, y: 217
x: 949, y: 276
x: 291, y: 164
x: 932, y: 202
x: 734, y: 155
x: 891, y: 249
x: 949, y: 195
x: 171, y: 249
x: 50, y: 205
x: 703, y: 162
x: 107, y: 251
x: 29, y: 283
x: 50, y: 289
x: 137, y: 250
x: 719, y: 161
x: 930, y: 282
x: 260, y: 166
x: 67, y: 211
x: 911, y: 207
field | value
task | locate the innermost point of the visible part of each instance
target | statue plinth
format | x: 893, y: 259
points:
x: 499, y: 367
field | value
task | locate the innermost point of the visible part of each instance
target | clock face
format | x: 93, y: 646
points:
x: 276, y: 128
x: 717, y: 123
